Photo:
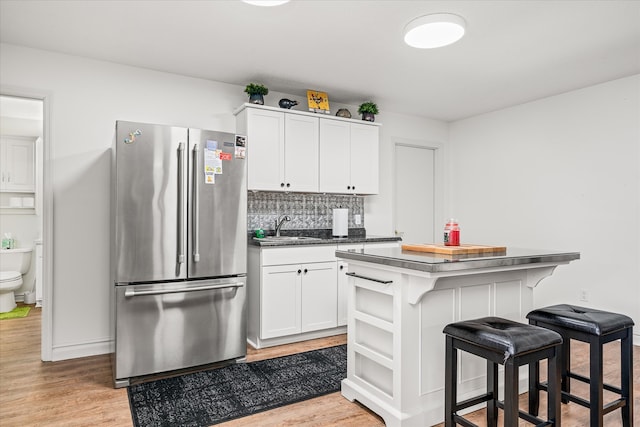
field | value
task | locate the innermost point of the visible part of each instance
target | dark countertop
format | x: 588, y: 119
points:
x: 433, y: 263
x: 324, y: 237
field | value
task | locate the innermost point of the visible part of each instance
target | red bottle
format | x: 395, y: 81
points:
x: 452, y: 233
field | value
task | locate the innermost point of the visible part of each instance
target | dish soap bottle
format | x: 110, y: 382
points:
x: 452, y: 233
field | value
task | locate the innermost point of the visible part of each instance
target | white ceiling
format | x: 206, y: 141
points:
x: 513, y: 51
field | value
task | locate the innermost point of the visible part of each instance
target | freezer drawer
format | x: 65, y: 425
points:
x: 163, y: 327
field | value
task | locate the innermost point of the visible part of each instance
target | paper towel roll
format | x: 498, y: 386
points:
x: 340, y: 222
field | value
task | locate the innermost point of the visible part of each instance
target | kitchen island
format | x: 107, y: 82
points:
x: 399, y: 302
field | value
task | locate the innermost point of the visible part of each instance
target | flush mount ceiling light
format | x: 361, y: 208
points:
x: 266, y: 2
x: 431, y: 31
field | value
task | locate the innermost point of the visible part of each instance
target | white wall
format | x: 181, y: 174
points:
x: 559, y: 173
x: 87, y: 97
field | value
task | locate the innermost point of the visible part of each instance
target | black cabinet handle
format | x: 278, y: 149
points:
x: 282, y: 184
x: 306, y: 271
x: 348, y: 187
x: 299, y: 271
x: 357, y: 276
x: 341, y: 267
x: 288, y: 185
x: 353, y: 188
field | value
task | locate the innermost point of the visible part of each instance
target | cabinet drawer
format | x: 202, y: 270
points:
x: 298, y: 254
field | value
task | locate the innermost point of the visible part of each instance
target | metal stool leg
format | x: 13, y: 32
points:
x: 534, y: 388
x: 510, y: 394
x: 626, y: 377
x: 553, y: 382
x: 595, y: 383
x: 565, y: 362
x: 492, y: 387
x: 451, y: 382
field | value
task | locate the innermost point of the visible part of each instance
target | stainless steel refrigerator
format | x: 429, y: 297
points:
x: 179, y: 242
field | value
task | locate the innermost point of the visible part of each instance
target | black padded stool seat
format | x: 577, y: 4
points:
x: 597, y: 328
x: 512, y: 344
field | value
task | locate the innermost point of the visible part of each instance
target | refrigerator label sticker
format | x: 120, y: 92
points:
x: 212, y: 162
x: 225, y: 156
x: 241, y: 146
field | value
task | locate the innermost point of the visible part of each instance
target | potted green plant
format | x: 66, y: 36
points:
x: 256, y: 93
x: 368, y: 110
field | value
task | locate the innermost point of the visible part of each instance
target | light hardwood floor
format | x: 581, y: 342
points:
x: 80, y: 392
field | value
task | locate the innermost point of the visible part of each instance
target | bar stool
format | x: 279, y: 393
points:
x: 512, y: 344
x: 596, y: 328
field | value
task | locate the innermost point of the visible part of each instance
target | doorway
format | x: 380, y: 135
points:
x: 24, y: 115
x: 416, y: 179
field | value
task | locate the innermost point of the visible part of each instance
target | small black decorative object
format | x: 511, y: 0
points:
x: 287, y: 103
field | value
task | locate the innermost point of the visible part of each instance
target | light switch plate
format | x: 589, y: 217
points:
x: 357, y: 219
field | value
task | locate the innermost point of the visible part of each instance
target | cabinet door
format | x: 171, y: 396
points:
x: 343, y: 295
x: 18, y: 165
x: 364, y: 159
x: 265, y: 149
x: 301, y: 153
x: 335, y: 166
x: 319, y: 296
x: 280, y: 301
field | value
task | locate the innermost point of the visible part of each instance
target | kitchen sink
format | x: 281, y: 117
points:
x: 286, y: 238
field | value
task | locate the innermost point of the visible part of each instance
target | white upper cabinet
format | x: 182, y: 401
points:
x: 265, y: 149
x: 17, y: 165
x: 303, y: 152
x: 335, y: 167
x: 282, y: 150
x: 348, y: 157
x: 300, y: 153
x: 364, y: 159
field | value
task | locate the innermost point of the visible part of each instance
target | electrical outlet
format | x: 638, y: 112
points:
x: 584, y: 295
x: 357, y: 219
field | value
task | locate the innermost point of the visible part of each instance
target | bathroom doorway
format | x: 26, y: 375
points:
x: 25, y: 208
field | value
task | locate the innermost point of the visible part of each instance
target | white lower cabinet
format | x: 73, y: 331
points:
x: 298, y: 298
x: 296, y: 293
x: 292, y: 294
x: 280, y: 305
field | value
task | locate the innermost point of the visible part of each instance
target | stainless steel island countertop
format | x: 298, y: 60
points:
x: 434, y: 263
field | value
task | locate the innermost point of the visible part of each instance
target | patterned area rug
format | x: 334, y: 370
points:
x: 211, y: 397
x: 16, y: 313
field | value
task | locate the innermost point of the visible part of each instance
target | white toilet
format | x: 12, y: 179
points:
x: 13, y: 264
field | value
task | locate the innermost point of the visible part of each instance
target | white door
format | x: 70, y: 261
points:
x: 280, y: 301
x: 18, y: 164
x: 319, y: 296
x: 415, y: 194
x: 335, y: 163
x: 301, y: 153
x: 364, y: 159
x: 265, y: 150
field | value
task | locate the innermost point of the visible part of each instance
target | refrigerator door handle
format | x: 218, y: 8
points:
x: 196, y: 205
x: 133, y: 293
x: 180, y: 203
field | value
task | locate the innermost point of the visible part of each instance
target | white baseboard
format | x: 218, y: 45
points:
x: 74, y: 351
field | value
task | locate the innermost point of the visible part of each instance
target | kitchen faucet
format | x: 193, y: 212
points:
x: 279, y: 222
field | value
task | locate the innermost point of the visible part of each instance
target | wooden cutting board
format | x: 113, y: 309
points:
x: 453, y: 250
